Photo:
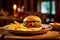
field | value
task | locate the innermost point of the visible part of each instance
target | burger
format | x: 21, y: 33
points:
x: 32, y: 22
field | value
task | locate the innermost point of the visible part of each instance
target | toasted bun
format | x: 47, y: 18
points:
x: 32, y: 18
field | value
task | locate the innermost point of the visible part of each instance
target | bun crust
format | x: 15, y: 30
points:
x: 32, y: 18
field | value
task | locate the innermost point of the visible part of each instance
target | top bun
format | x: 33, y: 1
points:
x: 32, y: 18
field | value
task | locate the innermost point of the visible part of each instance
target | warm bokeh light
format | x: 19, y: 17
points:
x: 14, y: 6
x: 18, y: 9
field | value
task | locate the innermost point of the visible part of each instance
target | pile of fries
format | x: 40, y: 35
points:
x: 19, y: 27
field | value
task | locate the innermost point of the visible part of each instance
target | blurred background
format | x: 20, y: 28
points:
x: 17, y: 10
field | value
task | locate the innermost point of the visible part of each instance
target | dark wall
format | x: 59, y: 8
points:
x: 57, y: 16
x: 0, y: 5
x: 7, y: 5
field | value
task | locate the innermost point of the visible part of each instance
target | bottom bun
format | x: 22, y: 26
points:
x: 35, y: 29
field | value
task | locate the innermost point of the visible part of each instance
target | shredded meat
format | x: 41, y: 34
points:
x: 32, y: 26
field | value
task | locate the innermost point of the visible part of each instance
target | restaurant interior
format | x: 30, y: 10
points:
x: 16, y: 12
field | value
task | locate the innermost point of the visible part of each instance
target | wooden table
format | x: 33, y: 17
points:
x: 7, y: 18
x: 4, y: 20
x: 5, y: 35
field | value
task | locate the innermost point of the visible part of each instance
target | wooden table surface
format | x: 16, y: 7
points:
x: 9, y: 18
x: 48, y: 35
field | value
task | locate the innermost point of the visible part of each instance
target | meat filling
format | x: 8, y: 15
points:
x: 33, y: 24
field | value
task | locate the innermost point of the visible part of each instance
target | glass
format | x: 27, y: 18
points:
x: 15, y: 14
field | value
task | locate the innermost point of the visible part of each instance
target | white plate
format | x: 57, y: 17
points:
x: 48, y: 27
